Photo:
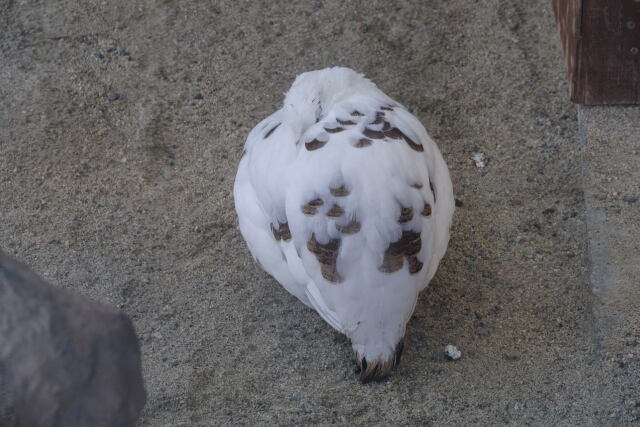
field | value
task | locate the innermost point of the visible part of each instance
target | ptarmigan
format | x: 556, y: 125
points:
x: 347, y: 202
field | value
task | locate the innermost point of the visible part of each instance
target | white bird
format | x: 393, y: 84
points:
x: 345, y: 200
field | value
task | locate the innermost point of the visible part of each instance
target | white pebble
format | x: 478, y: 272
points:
x: 479, y: 159
x: 452, y: 352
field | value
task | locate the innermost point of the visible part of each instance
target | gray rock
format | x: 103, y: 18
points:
x: 64, y: 360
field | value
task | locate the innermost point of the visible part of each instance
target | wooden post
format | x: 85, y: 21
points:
x: 601, y: 41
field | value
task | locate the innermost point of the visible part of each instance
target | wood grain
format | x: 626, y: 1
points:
x: 601, y: 42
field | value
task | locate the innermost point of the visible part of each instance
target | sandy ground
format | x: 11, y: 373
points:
x: 122, y: 123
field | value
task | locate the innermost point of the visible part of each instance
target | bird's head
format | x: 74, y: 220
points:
x: 314, y: 93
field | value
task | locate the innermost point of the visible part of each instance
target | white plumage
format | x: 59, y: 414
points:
x: 345, y: 200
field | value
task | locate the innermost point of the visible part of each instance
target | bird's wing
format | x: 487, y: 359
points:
x: 440, y: 187
x: 259, y: 193
x: 360, y: 206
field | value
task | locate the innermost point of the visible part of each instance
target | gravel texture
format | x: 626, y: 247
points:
x: 130, y: 202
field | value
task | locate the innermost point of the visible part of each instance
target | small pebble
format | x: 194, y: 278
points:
x: 113, y: 96
x: 167, y: 310
x: 198, y: 96
x: 452, y: 352
x: 479, y: 159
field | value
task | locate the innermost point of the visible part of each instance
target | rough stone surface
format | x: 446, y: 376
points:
x: 64, y: 360
x: 130, y: 202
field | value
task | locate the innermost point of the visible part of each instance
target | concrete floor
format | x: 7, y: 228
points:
x: 122, y: 123
x: 610, y: 138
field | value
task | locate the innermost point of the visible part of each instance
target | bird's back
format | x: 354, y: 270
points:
x: 351, y: 213
x: 369, y: 206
